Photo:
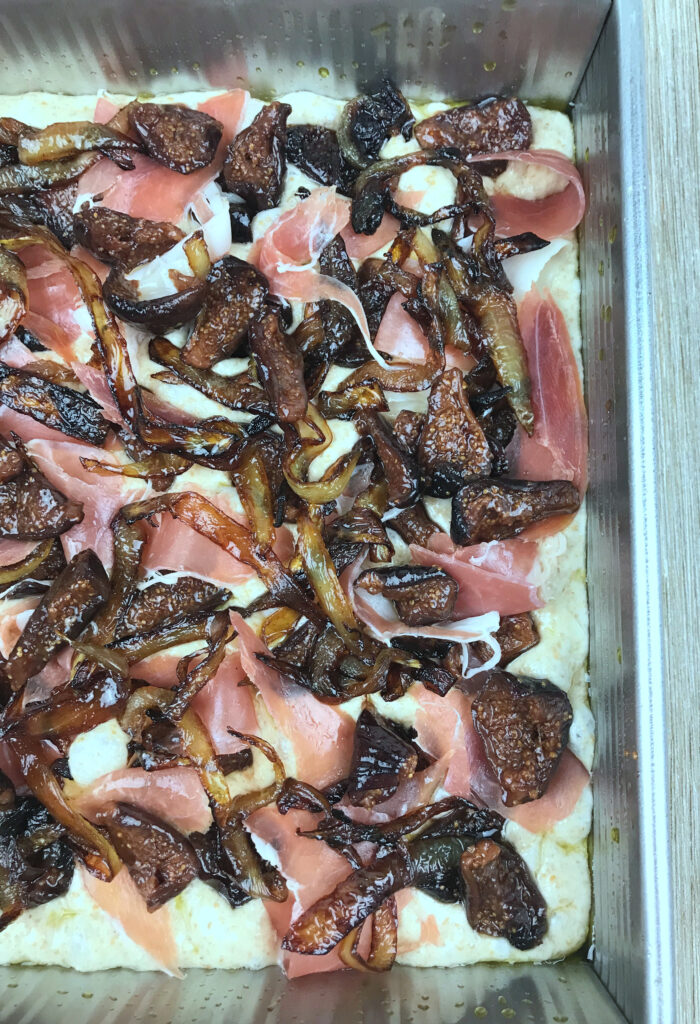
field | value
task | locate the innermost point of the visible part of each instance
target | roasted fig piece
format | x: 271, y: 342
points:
x: 8, y: 154
x: 368, y: 121
x: 182, y: 139
x: 255, y: 161
x: 160, y: 859
x: 524, y: 727
x: 486, y: 509
x: 515, y: 635
x: 413, y: 525
x: 501, y: 895
x: 31, y: 509
x: 52, y: 207
x: 235, y: 295
x: 64, y: 409
x: 400, y: 469
x: 162, y: 604
x: 343, y: 341
x: 14, y: 297
x: 491, y: 126
x: 408, y: 427
x: 452, y: 446
x: 215, y: 868
x: 158, y: 315
x: 68, y: 605
x: 381, y: 760
x: 423, y: 594
x: 121, y: 240
x: 315, y: 151
x: 280, y: 368
x: 36, y: 862
x: 12, y: 461
x: 234, y: 392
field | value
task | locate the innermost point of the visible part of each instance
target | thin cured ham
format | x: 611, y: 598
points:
x: 102, y: 496
x: 174, y: 795
x: 313, y: 870
x: 549, y: 217
x: 499, y: 576
x: 12, y: 551
x: 359, y: 247
x: 441, y: 725
x: 224, y: 704
x: 399, y: 335
x: 411, y: 793
x: 173, y: 545
x: 558, y: 447
x: 289, y: 250
x: 321, y: 735
x: 229, y: 109
x: 122, y: 901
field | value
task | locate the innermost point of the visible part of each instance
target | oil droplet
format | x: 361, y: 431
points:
x: 508, y: 1012
x: 601, y: 354
x: 619, y: 655
x: 13, y: 984
x: 259, y: 70
x: 560, y: 1020
x: 606, y: 313
x: 509, y: 5
x: 354, y: 65
x: 153, y: 72
x: 615, y: 835
x: 601, y: 268
x: 86, y: 995
x: 480, y: 1011
x: 489, y: 65
x: 324, y: 72
x: 586, y: 155
x: 612, y: 234
x: 174, y: 70
x: 384, y: 26
x: 300, y: 63
x: 408, y: 21
x: 477, y: 27
x: 502, y: 1001
x: 568, y: 74
x: 196, y: 65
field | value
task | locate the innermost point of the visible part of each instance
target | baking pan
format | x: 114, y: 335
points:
x: 542, y: 50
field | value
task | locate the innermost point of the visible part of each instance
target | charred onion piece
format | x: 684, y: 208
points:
x: 423, y: 594
x: 280, y: 368
x: 491, y: 126
x: 121, y: 240
x: 515, y: 635
x: 218, y: 634
x: 502, y: 897
x: 36, y: 146
x: 399, y: 468
x: 98, y: 853
x: 235, y: 296
x: 20, y: 178
x: 35, y: 566
x: 255, y: 161
x: 234, y: 392
x: 517, y: 244
x: 384, y: 942
x: 64, y: 409
x: 68, y: 711
x: 36, y: 862
x: 486, y: 510
x: 452, y: 447
x: 478, y: 280
x: 68, y: 605
x: 315, y: 151
x: 361, y: 525
x: 249, y: 477
x: 158, y: 315
x: 52, y: 207
x: 183, y: 139
x: 381, y: 760
x: 14, y: 296
x: 164, y: 604
x: 368, y: 121
x: 343, y: 404
x: 524, y: 727
x: 31, y: 509
x: 160, y: 859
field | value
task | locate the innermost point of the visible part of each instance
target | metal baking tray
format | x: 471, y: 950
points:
x: 551, y: 52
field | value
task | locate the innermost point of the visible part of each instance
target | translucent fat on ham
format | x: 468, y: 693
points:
x: 97, y: 925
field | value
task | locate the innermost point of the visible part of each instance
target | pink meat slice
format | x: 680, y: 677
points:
x: 175, y: 795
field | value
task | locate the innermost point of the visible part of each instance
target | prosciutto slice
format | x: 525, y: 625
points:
x: 499, y: 576
x: 289, y: 250
x: 102, y: 496
x: 549, y: 217
x: 399, y: 335
x: 359, y: 247
x: 175, y: 795
x: 311, y: 868
x: 122, y: 901
x: 558, y: 447
x: 321, y: 735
